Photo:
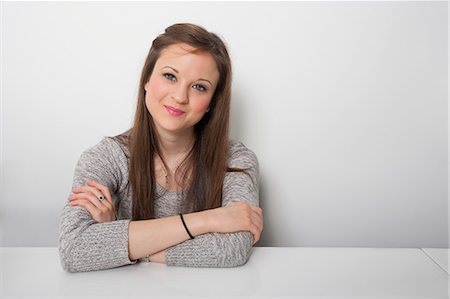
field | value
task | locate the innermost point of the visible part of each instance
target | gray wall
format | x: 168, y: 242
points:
x: 345, y: 104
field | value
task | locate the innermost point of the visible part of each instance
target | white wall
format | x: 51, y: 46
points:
x: 345, y: 105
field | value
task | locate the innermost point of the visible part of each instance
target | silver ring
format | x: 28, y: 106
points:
x: 101, y: 197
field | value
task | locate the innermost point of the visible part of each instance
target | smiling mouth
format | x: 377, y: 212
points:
x: 174, y: 111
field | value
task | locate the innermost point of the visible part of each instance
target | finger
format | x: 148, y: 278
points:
x: 101, y: 214
x: 88, y: 189
x: 255, y: 239
x: 85, y: 197
x: 96, y: 193
x: 82, y: 203
x: 78, y: 202
x: 256, y: 234
x: 258, y: 226
x: 255, y: 214
x: 253, y: 226
x: 256, y: 209
x: 250, y: 217
x: 76, y: 190
x: 92, y: 194
x: 88, y: 197
x: 258, y: 214
x: 103, y: 189
x: 257, y: 221
x: 87, y: 205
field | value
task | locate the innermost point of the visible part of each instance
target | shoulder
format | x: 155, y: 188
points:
x: 108, y: 150
x: 104, y: 162
x: 241, y: 156
x: 123, y: 142
x: 107, y: 146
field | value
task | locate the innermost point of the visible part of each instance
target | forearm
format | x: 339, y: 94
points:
x: 211, y: 250
x: 147, y: 237
x: 87, y: 246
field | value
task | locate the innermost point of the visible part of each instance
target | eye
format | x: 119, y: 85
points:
x: 170, y: 76
x: 200, y: 87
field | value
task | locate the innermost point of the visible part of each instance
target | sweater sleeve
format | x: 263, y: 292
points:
x: 84, y: 244
x: 219, y: 249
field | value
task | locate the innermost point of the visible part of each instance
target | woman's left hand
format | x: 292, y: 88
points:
x: 89, y: 198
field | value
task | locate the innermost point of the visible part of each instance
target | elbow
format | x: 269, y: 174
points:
x: 68, y: 233
x: 241, y: 260
x: 70, y: 245
x: 64, y: 248
x: 68, y: 267
x: 67, y: 261
x: 238, y: 255
x: 71, y: 264
x: 69, y: 256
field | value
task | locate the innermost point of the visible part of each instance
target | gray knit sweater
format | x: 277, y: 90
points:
x: 86, y: 245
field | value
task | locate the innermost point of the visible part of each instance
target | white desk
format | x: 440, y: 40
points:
x: 440, y: 256
x: 271, y: 272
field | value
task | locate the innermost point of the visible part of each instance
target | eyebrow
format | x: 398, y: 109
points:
x: 176, y: 71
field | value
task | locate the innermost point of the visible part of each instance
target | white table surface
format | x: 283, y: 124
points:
x: 301, y: 272
x: 440, y: 256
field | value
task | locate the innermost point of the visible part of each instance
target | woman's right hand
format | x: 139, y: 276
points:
x: 238, y: 216
x: 88, y: 198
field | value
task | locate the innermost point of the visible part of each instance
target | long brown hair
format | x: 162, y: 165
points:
x: 207, y: 160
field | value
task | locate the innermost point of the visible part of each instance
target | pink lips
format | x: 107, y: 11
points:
x: 173, y: 111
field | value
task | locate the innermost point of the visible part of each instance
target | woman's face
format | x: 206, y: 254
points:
x: 180, y: 88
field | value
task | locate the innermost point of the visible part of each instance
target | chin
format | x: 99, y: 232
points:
x: 173, y: 128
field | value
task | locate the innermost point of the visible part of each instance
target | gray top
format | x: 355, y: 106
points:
x: 86, y: 245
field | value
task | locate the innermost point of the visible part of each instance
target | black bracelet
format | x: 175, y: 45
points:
x: 185, y: 226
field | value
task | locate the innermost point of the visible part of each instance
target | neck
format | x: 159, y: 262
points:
x: 172, y: 145
x: 174, y: 148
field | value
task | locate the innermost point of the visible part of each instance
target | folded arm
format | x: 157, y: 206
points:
x: 85, y: 244
x: 223, y: 235
x: 224, y: 249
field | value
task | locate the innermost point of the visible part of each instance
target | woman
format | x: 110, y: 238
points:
x: 173, y: 189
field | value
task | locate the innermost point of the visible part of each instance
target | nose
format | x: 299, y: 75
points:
x: 180, y: 95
